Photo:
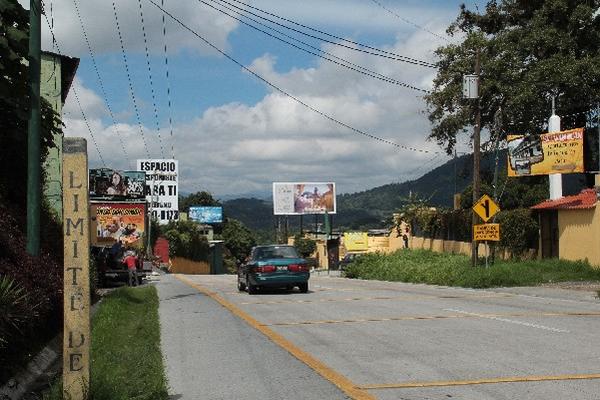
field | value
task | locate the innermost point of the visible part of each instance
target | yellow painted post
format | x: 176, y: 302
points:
x: 76, y: 218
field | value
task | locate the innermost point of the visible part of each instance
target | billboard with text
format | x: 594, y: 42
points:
x: 161, y: 188
x: 112, y: 222
x: 299, y: 198
x: 111, y: 183
x: 549, y: 153
x: 206, y: 215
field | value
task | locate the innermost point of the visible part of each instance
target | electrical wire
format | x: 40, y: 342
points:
x: 409, y: 21
x: 151, y: 81
x: 74, y: 90
x: 162, y: 3
x: 332, y: 119
x: 135, y: 107
x: 344, y: 63
x: 102, y: 89
x: 356, y: 46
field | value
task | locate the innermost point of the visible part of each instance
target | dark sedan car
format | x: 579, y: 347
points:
x: 273, y: 266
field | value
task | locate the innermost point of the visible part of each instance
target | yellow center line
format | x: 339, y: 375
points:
x: 513, y: 379
x: 435, y: 317
x: 332, y: 376
x: 405, y: 297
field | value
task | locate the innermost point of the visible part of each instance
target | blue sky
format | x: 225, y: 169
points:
x: 232, y: 134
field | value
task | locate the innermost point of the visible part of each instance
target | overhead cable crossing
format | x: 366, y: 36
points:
x: 87, y: 42
x: 355, y: 130
x: 392, y: 12
x: 135, y: 107
x: 342, y: 62
x: 162, y: 3
x: 356, y: 46
x: 74, y: 90
x: 162, y: 150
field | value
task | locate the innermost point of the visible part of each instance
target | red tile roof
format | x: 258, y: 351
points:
x: 586, y: 199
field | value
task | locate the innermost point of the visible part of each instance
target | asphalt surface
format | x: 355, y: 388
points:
x: 381, y: 340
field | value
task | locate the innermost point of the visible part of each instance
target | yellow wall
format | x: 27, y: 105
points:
x: 579, y: 235
x: 185, y: 266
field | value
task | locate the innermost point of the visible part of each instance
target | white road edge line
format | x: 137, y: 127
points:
x: 546, y: 328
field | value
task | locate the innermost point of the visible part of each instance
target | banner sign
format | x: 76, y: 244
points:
x: 550, y: 153
x: 112, y: 222
x: 110, y: 183
x: 484, y: 232
x: 356, y: 241
x: 161, y: 188
x: 303, y: 198
x: 206, y: 215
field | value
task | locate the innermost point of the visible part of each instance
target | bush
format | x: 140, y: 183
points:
x: 16, y: 311
x: 305, y: 246
x: 518, y: 231
x: 185, y: 240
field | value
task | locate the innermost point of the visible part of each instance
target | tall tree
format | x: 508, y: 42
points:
x: 202, y: 198
x: 530, y: 50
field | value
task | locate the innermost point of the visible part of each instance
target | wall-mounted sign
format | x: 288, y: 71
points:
x: 356, y: 241
x: 298, y: 198
x: 161, y: 188
x: 550, y: 153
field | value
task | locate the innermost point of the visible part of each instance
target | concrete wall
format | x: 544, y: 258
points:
x: 579, y: 235
x: 50, y: 89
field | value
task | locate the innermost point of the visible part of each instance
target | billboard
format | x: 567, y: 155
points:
x: 112, y: 222
x: 550, y: 153
x: 298, y: 198
x: 356, y: 241
x: 111, y: 183
x: 206, y: 215
x: 161, y: 188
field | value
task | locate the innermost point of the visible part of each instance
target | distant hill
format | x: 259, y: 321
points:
x: 370, y: 208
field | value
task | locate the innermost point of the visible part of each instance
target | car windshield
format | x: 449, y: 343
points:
x: 263, y: 253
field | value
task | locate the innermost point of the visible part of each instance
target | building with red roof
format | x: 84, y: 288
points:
x: 570, y: 227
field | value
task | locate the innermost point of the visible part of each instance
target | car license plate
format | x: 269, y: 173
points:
x: 282, y: 268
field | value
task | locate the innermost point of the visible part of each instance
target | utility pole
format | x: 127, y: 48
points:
x: 476, y: 156
x: 34, y: 169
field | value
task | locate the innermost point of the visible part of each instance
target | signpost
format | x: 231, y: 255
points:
x: 486, y: 208
x: 76, y: 342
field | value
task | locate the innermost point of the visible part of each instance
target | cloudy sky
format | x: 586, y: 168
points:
x: 231, y: 132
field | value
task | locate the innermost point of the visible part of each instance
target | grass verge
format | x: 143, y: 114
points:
x: 126, y: 360
x: 422, y: 266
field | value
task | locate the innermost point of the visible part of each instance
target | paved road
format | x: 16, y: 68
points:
x: 378, y: 340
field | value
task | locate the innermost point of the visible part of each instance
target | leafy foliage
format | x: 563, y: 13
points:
x: 529, y: 50
x: 202, y: 198
x: 185, y: 240
x: 16, y: 311
x: 519, y: 231
x: 305, y: 246
x: 238, y: 239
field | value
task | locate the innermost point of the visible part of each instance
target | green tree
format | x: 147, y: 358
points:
x: 529, y: 50
x: 238, y: 239
x: 185, y: 240
x: 202, y: 198
x: 14, y: 103
x: 305, y: 246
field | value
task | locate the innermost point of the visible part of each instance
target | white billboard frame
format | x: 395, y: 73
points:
x: 286, y: 197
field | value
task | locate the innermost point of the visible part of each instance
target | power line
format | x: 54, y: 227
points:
x: 112, y: 116
x: 409, y: 21
x: 135, y: 107
x: 344, y: 63
x: 357, y: 46
x: 355, y: 130
x: 162, y: 3
x: 74, y: 90
x: 162, y: 150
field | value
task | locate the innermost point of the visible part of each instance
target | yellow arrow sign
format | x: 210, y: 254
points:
x: 486, y: 208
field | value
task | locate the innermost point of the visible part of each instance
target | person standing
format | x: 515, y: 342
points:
x: 130, y: 261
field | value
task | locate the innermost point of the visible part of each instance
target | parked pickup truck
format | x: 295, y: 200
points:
x: 110, y: 266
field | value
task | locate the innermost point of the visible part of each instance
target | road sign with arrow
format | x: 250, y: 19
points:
x: 486, y: 208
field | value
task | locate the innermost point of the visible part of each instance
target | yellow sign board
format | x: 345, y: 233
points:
x: 550, y: 153
x: 486, y: 208
x: 356, y: 241
x: 484, y: 232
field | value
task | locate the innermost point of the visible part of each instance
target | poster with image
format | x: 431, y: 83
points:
x: 112, y: 222
x: 299, y: 198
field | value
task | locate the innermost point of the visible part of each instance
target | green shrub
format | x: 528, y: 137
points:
x: 305, y: 246
x: 185, y: 240
x: 518, y: 231
x: 16, y: 310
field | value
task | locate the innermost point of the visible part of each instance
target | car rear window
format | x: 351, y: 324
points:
x: 276, y: 252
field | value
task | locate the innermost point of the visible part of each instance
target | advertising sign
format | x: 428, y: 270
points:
x: 550, y: 153
x: 206, y: 215
x: 486, y: 232
x: 356, y: 241
x: 303, y: 198
x: 161, y: 188
x: 108, y: 183
x: 112, y: 222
